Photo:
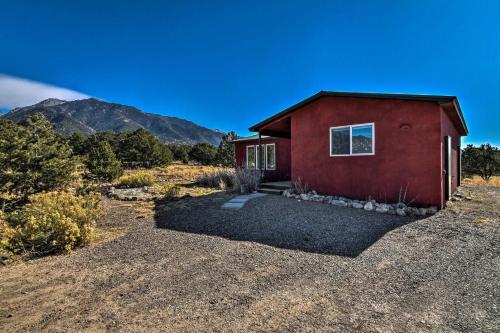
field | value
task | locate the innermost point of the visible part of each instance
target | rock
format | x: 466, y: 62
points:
x: 357, y: 205
x: 383, y: 208
x: 314, y: 192
x: 368, y: 206
x: 316, y: 198
x: 304, y: 196
x: 339, y: 203
x: 400, y: 212
x: 432, y: 210
x: 401, y: 205
x: 413, y: 211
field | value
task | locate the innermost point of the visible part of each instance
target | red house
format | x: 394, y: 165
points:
x: 363, y: 145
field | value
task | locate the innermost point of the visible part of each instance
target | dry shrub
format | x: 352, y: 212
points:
x: 477, y: 180
x: 187, y: 172
x: 54, y: 222
x: 223, y: 179
x: 166, y: 191
x: 299, y: 187
x: 7, y: 233
x: 137, y: 179
x: 248, y: 177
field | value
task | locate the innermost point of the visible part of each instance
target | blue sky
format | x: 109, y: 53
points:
x: 228, y: 65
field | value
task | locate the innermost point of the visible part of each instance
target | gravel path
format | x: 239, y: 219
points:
x: 274, y: 265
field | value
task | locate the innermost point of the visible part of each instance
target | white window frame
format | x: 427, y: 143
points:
x: 270, y: 144
x: 257, y: 153
x: 255, y: 157
x: 350, y: 140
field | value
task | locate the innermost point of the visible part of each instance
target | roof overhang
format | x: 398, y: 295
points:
x: 441, y: 100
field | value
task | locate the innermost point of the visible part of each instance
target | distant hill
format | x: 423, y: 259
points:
x: 92, y: 115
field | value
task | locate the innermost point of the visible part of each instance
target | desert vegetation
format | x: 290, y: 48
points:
x: 51, y: 186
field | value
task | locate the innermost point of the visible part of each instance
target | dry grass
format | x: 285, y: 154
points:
x: 483, y: 202
x: 137, y: 179
x: 186, y: 173
x: 477, y: 180
x: 183, y: 176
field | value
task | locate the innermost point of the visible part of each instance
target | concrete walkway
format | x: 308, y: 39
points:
x: 239, y: 201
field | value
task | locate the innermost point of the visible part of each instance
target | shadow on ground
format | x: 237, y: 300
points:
x: 280, y: 222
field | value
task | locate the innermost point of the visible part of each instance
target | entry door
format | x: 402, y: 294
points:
x: 447, y: 167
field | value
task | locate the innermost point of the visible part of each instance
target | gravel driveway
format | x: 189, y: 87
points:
x: 275, y: 265
x: 284, y: 223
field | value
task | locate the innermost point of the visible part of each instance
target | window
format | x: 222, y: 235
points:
x: 250, y: 157
x: 352, y: 140
x: 271, y: 156
x: 268, y: 157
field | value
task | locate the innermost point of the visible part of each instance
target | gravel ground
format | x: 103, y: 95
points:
x: 275, y: 265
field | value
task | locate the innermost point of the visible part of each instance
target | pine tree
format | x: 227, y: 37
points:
x: 33, y: 157
x: 102, y: 162
x: 225, y: 152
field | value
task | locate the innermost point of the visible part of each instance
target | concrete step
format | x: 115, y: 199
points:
x: 274, y: 186
x: 270, y: 191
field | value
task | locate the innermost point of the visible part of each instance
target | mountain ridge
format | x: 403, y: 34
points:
x: 92, y: 115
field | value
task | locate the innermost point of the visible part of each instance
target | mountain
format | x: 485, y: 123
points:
x: 92, y: 115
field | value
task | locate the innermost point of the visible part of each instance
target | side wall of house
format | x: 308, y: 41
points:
x: 283, y: 158
x: 449, y: 129
x: 407, y: 149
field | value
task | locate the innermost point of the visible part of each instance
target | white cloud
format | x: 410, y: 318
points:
x: 15, y: 92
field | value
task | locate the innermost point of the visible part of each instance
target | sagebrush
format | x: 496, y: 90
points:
x: 51, y: 222
x: 137, y: 179
x: 223, y: 179
x: 249, y: 178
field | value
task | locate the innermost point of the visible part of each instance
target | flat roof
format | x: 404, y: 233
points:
x: 252, y: 137
x: 427, y: 98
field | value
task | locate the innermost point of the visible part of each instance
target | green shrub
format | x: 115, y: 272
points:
x: 180, y: 152
x: 33, y: 158
x: 102, y: 163
x: 483, y: 161
x: 141, y: 149
x: 223, y: 179
x: 137, y: 179
x: 54, y: 222
x: 203, y: 153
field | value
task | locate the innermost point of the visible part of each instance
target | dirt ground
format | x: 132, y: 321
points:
x: 276, y: 265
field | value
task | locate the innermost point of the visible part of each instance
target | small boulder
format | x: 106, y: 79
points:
x: 368, y: 206
x: 382, y: 208
x: 401, y: 205
x: 422, y: 211
x: 304, y: 197
x: 339, y: 203
x: 400, y: 212
x: 357, y: 205
x: 432, y: 210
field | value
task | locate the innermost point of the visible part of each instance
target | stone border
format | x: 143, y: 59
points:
x: 399, y: 208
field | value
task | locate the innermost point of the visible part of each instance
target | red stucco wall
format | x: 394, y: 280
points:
x: 283, y: 158
x: 404, y: 158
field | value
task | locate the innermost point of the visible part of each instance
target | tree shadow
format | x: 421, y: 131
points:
x: 280, y: 222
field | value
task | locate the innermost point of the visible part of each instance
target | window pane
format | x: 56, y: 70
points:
x: 340, y: 141
x: 271, y: 157
x: 251, y: 157
x: 362, y: 139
